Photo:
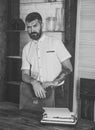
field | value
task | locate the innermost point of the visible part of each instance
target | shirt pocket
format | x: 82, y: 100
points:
x: 51, y: 55
x: 50, y: 51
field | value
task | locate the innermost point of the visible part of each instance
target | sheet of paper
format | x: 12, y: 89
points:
x: 57, y: 112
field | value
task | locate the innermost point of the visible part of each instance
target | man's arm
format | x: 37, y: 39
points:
x: 66, y: 69
x: 37, y: 87
x: 26, y: 76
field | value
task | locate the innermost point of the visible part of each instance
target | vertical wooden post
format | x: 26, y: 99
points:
x: 70, y: 34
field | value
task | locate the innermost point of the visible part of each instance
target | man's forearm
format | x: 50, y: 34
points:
x: 65, y: 71
x: 37, y: 86
x: 61, y: 77
x: 28, y: 79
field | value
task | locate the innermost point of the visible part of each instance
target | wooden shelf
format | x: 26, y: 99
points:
x: 59, y: 31
x: 56, y: 2
x: 13, y: 57
x: 9, y: 31
x: 13, y: 83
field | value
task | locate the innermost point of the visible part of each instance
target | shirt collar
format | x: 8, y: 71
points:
x: 42, y: 38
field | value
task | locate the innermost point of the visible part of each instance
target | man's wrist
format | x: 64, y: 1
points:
x: 32, y: 82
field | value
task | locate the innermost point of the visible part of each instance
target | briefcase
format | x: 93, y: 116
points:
x: 28, y: 99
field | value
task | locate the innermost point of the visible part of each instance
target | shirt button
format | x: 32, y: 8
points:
x: 38, y: 55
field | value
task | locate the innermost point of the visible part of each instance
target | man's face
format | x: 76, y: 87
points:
x: 34, y: 29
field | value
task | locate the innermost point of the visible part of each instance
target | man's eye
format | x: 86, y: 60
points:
x: 35, y: 25
x: 28, y: 27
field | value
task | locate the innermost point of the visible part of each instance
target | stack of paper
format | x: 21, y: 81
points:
x: 58, y: 115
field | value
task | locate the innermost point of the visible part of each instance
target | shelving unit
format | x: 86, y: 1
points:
x: 17, y: 38
x: 13, y: 59
x: 46, y: 9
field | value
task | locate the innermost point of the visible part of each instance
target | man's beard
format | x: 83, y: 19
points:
x: 35, y: 35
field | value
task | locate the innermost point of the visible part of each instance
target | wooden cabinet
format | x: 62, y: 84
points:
x: 87, y: 96
x: 13, y: 59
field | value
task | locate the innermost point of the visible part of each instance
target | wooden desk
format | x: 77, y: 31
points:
x: 11, y: 118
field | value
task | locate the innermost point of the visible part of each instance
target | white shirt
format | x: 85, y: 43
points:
x: 45, y: 57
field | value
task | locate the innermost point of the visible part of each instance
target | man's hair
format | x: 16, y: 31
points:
x: 33, y: 16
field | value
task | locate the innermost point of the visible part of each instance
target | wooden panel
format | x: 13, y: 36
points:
x: 87, y: 22
x: 87, y: 37
x: 13, y: 43
x: 24, y: 39
x: 87, y: 109
x: 85, y: 41
x: 87, y: 88
x: 13, y: 11
x: 86, y: 61
x: 13, y: 69
x: 87, y: 95
x: 3, y: 12
x: 86, y: 57
x: 12, y: 93
x: 70, y: 30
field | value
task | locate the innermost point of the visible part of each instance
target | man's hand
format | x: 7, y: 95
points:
x: 39, y: 90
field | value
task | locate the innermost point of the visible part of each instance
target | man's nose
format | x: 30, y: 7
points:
x: 30, y: 29
x: 33, y: 29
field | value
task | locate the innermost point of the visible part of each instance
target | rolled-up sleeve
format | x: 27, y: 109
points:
x: 61, y: 51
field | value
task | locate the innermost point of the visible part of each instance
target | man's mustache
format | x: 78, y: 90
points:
x: 34, y: 33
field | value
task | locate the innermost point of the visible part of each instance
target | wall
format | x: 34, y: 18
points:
x: 85, y: 43
x: 2, y: 46
x: 87, y: 39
